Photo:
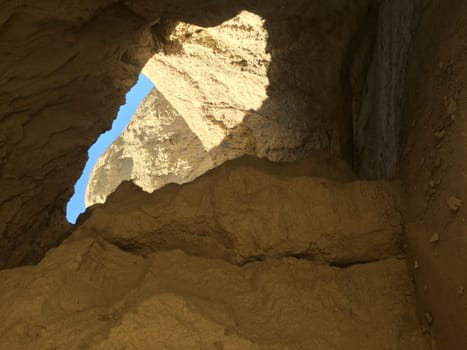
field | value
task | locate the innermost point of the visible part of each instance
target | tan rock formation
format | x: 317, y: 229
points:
x: 278, y: 225
x: 65, y: 67
x: 214, y: 76
x: 158, y: 147
x: 88, y: 294
x: 247, y: 209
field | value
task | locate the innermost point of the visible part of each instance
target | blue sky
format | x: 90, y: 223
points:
x: 134, y: 97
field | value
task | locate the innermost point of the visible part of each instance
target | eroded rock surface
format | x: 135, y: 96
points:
x: 215, y: 76
x: 158, y: 147
x: 65, y: 70
x: 247, y: 209
x: 225, y: 81
x: 66, y: 66
x: 88, y: 294
x: 251, y: 255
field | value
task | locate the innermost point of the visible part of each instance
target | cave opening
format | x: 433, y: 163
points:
x: 222, y: 92
x: 77, y: 204
x: 211, y: 85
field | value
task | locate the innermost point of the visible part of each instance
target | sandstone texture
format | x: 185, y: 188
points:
x: 247, y: 209
x: 216, y: 78
x: 251, y: 255
x: 158, y: 147
x: 65, y: 69
x: 88, y: 294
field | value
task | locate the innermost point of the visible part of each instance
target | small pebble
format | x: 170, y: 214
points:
x: 461, y: 290
x: 428, y: 318
x: 440, y: 134
x: 434, y: 238
x: 416, y: 265
x: 454, y: 204
x: 425, y: 330
x: 452, y: 106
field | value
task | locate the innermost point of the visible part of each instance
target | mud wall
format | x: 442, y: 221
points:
x: 434, y: 167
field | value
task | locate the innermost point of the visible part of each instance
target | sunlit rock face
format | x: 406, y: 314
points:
x: 216, y: 91
x: 157, y: 147
x: 214, y: 76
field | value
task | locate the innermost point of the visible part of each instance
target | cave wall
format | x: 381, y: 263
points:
x: 65, y: 69
x: 434, y: 167
x: 68, y: 64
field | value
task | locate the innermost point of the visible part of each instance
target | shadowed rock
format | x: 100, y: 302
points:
x: 249, y: 209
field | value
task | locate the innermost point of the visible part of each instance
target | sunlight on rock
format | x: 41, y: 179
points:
x: 214, y: 76
x: 206, y: 86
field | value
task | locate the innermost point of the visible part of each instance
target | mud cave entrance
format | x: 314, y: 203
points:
x: 219, y: 97
x: 211, y: 84
x: 250, y: 202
